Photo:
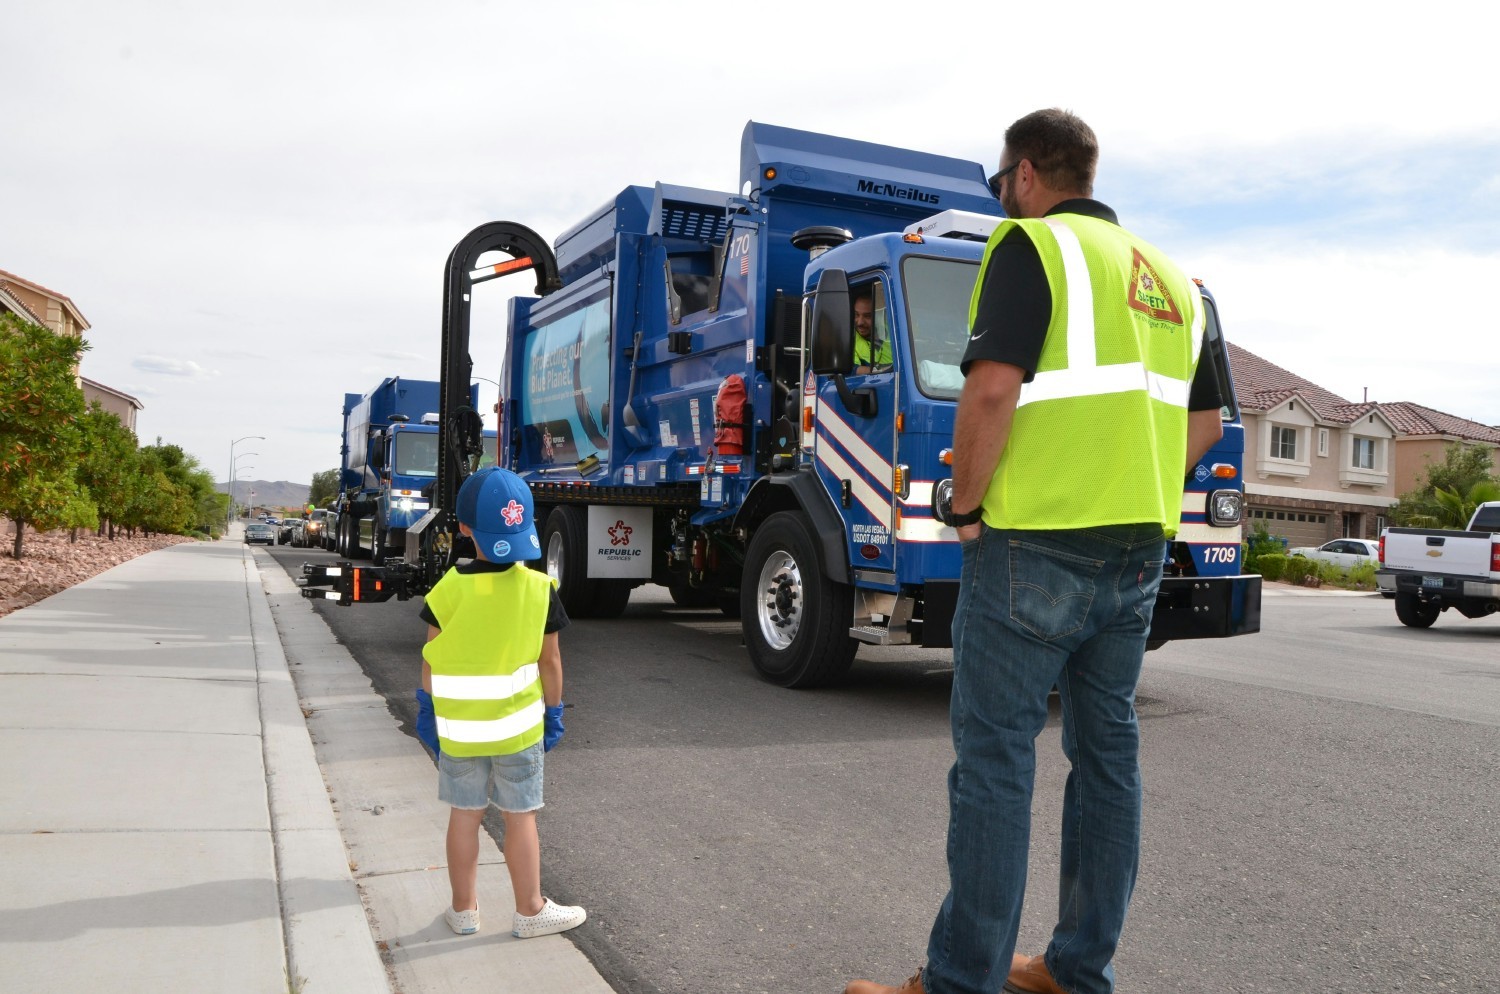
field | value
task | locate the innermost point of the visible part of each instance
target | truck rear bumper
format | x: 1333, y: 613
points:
x: 1441, y: 586
x: 1206, y: 607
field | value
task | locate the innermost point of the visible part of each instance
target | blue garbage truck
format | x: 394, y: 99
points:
x: 690, y: 400
x: 388, y: 457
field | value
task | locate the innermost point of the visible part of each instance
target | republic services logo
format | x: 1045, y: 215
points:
x: 619, y: 533
x: 513, y: 513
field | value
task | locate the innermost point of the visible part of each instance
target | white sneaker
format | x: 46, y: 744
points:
x: 551, y: 919
x: 463, y: 922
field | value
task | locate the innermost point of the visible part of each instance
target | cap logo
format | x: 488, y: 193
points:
x: 534, y: 543
x: 501, y: 549
x: 513, y: 513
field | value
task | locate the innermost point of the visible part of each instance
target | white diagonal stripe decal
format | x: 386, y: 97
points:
x: 858, y: 448
x: 863, y: 492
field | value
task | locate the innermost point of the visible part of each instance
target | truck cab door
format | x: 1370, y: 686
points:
x: 854, y: 431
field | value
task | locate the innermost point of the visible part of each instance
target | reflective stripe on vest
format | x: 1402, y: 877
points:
x: 486, y: 685
x: 492, y: 730
x: 1099, y: 435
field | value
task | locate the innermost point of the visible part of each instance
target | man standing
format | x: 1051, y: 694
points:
x: 1083, y: 406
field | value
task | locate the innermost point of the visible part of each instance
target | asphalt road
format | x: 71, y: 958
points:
x: 1322, y: 804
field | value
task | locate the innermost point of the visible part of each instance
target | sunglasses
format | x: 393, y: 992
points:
x: 995, y: 179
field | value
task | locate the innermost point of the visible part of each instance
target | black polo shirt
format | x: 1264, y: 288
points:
x: 1016, y: 303
x: 557, y: 618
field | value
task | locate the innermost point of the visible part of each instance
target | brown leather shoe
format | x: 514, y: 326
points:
x: 1029, y: 975
x: 912, y: 986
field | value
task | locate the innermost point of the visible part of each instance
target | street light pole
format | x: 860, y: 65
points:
x: 229, y: 513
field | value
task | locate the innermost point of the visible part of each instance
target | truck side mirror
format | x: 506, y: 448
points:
x: 832, y: 326
x: 377, y: 452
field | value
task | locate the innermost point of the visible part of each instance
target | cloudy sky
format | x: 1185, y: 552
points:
x: 252, y: 204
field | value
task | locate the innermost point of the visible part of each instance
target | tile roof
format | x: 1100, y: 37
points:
x: 1261, y: 385
x: 1414, y: 419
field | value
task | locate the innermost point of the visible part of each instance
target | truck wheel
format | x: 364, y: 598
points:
x: 377, y: 549
x: 610, y: 598
x: 796, y: 622
x: 1415, y: 612
x: 564, y: 556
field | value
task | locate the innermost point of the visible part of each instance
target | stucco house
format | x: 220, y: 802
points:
x: 56, y: 311
x: 1320, y: 467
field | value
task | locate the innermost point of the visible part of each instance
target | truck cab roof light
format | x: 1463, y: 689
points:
x: 955, y: 224
x: 914, y: 237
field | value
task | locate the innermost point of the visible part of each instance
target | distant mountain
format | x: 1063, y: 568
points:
x: 279, y: 493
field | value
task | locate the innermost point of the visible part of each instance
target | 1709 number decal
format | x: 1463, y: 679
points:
x: 1221, y: 553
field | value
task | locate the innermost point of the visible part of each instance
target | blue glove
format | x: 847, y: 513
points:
x: 426, y: 721
x: 552, y: 727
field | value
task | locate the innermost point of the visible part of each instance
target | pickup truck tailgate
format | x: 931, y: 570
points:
x: 1431, y: 550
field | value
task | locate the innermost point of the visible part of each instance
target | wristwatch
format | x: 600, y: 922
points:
x: 972, y: 518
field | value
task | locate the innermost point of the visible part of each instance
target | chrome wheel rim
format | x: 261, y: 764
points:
x: 779, y: 601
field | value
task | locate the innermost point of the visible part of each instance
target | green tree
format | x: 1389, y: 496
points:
x: 108, y: 465
x: 1463, y: 467
x: 40, y: 437
x: 189, y: 500
x: 325, y: 486
x: 1451, y: 509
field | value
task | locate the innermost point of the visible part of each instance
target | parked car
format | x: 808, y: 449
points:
x: 287, y: 530
x: 315, y: 529
x: 1345, y: 552
x: 259, y: 532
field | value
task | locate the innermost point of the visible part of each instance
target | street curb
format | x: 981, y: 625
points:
x: 329, y: 946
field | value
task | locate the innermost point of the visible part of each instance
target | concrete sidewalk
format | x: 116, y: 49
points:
x: 166, y: 825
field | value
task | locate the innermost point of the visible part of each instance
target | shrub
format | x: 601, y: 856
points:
x: 1298, y: 569
x: 1363, y: 575
x: 1271, y: 565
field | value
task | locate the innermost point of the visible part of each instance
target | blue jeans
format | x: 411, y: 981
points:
x: 1038, y: 609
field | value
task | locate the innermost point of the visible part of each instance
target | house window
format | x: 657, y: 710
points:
x: 1322, y: 441
x: 1283, y: 442
x: 1364, y: 453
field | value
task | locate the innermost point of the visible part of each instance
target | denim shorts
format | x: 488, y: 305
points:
x: 511, y: 783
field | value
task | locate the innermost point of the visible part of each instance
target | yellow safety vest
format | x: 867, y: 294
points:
x: 486, y: 687
x: 1100, y: 433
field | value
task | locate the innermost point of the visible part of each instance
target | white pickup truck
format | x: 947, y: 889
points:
x: 1434, y: 569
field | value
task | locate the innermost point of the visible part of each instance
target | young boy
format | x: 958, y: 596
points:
x: 493, y: 671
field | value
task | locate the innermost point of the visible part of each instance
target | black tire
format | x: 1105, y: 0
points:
x: 796, y: 621
x: 565, y: 557
x: 610, y: 598
x: 693, y: 597
x: 1415, y: 612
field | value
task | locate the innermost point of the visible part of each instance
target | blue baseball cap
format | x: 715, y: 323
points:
x: 496, y: 504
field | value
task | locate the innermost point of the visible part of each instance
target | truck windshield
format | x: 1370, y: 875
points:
x: 416, y: 454
x: 937, y: 317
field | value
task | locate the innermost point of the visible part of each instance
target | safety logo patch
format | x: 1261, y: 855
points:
x: 1148, y: 294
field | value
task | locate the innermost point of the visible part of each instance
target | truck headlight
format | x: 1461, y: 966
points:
x: 404, y: 504
x: 1225, y: 507
x: 942, y: 500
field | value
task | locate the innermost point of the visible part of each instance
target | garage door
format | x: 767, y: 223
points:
x: 1297, y: 527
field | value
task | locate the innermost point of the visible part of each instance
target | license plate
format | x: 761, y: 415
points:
x: 1432, y: 583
